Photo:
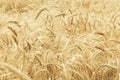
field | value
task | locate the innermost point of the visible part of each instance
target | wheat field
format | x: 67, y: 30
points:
x: 59, y: 39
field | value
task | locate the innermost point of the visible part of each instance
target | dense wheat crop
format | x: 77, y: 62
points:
x: 59, y: 39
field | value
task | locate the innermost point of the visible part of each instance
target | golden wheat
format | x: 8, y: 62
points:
x: 59, y: 40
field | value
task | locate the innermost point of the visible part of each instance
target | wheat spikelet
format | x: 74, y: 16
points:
x: 99, y: 33
x: 76, y: 75
x: 15, y: 40
x: 38, y: 14
x: 100, y: 48
x: 15, y: 70
x: 15, y: 22
x: 14, y: 32
x: 110, y: 74
x: 36, y: 57
x: 104, y: 71
x: 63, y: 15
x: 51, y: 32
